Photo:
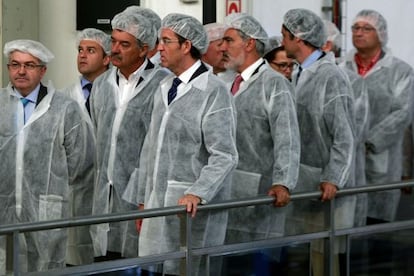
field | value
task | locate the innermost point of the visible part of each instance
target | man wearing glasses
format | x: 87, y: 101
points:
x: 390, y: 84
x: 189, y: 152
x: 46, y: 148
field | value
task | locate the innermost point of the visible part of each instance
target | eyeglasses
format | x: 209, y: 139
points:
x: 363, y: 29
x: 284, y: 65
x: 166, y: 41
x: 27, y: 66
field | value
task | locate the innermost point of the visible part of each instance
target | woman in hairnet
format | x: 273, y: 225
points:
x: 46, y: 148
x: 189, y: 152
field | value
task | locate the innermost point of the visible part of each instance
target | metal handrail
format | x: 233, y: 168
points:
x: 174, y: 210
x: 15, y: 229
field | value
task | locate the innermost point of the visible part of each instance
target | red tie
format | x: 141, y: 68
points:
x: 236, y: 84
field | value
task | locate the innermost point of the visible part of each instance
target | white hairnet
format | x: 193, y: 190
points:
x: 273, y: 43
x: 334, y: 35
x: 305, y: 25
x: 100, y: 37
x: 147, y: 13
x: 248, y: 25
x: 137, y: 25
x: 189, y: 28
x: 215, y: 31
x: 376, y: 20
x: 32, y: 47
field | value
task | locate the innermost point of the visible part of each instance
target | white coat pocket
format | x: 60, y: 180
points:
x: 245, y: 184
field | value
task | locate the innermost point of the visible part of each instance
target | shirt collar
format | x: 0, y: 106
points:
x: 363, y: 70
x: 135, y: 75
x: 248, y: 72
x: 312, y: 58
x: 187, y: 74
x: 84, y: 82
x: 32, y: 95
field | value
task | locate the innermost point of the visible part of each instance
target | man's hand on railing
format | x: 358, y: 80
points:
x: 328, y: 191
x: 281, y: 194
x: 191, y: 202
x: 138, y: 222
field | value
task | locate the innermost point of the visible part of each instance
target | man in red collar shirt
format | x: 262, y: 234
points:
x: 390, y: 83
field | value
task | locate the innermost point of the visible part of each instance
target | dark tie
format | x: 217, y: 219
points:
x: 236, y: 84
x: 298, y: 75
x: 173, y: 90
x: 88, y: 86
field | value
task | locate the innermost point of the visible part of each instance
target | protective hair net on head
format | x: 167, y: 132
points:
x: 273, y: 43
x: 306, y: 25
x: 137, y: 25
x: 248, y: 25
x: 334, y: 35
x: 147, y: 13
x: 32, y: 47
x: 189, y: 28
x: 96, y: 35
x: 215, y: 31
x: 376, y: 20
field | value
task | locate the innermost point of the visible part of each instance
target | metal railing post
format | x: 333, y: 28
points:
x: 331, y: 236
x: 348, y: 255
x: 189, y: 242
x: 16, y: 253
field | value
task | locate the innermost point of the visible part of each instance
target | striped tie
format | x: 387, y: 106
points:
x: 173, y: 90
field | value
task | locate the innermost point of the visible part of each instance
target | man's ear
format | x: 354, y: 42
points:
x: 144, y: 51
x: 251, y: 44
x: 187, y: 46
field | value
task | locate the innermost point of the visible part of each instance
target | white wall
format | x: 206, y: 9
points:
x: 57, y: 31
x: 164, y: 7
x: 19, y: 20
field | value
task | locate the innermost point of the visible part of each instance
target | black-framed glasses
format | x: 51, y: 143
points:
x: 284, y: 65
x: 27, y: 66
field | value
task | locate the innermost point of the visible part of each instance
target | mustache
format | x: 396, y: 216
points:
x: 116, y: 56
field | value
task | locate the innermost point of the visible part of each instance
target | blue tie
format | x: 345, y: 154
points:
x: 298, y: 75
x: 24, y: 101
x: 173, y: 90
